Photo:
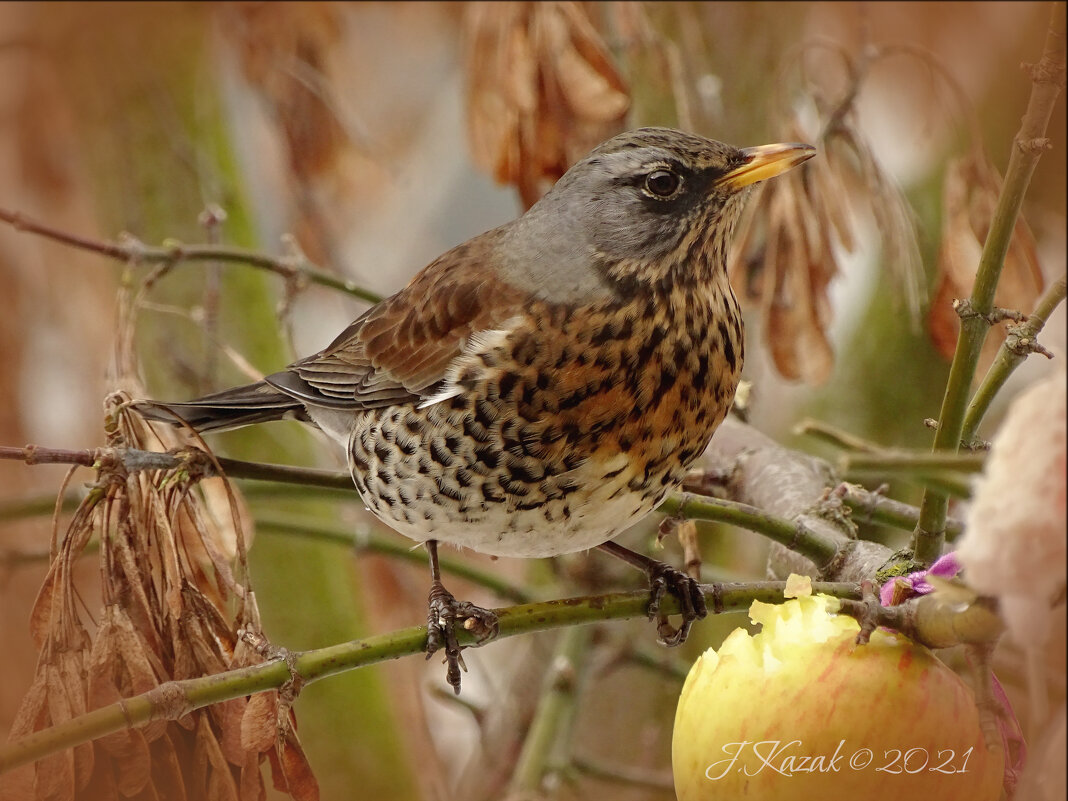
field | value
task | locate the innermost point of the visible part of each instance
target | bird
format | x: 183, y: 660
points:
x: 538, y: 389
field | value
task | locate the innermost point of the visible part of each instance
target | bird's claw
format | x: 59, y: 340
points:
x: 665, y: 578
x: 444, y: 613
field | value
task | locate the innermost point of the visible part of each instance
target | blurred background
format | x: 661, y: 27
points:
x: 371, y: 137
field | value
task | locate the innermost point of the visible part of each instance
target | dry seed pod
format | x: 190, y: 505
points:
x: 969, y: 196
x: 541, y: 91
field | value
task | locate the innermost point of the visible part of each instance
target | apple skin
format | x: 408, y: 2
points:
x: 800, y: 711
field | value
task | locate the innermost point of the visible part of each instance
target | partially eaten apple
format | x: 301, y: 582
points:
x: 800, y: 711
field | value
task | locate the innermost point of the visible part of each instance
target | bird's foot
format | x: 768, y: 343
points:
x: 665, y: 578
x: 444, y: 614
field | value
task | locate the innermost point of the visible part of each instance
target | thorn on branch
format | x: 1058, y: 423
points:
x: 965, y: 310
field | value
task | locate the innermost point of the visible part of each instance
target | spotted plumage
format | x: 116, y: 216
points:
x: 541, y: 387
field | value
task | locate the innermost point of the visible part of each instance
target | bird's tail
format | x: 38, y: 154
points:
x: 231, y: 408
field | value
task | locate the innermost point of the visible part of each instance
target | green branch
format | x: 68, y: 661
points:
x: 548, y: 739
x: 871, y: 507
x: 794, y: 536
x: 1030, y: 141
x: 1020, y: 342
x: 173, y: 699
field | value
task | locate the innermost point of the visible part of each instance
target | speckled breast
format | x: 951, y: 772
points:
x: 559, y: 432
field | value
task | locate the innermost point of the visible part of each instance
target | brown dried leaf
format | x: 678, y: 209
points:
x: 32, y: 714
x: 167, y: 768
x: 969, y: 198
x: 893, y: 218
x: 589, y: 84
x: 211, y: 776
x: 801, y: 265
x: 831, y: 197
x: 47, y: 608
x: 300, y: 782
x: 132, y: 762
x: 72, y: 673
x: 542, y: 90
x: 251, y: 785
x: 55, y: 777
x: 228, y: 717
x: 55, y: 773
x: 285, y: 50
x: 107, y: 671
x: 259, y: 724
x: 131, y: 651
x: 17, y: 784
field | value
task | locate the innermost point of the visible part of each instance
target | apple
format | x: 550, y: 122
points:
x: 800, y: 711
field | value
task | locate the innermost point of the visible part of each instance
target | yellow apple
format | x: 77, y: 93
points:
x: 799, y: 711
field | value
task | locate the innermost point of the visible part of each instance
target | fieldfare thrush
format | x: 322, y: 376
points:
x: 540, y: 388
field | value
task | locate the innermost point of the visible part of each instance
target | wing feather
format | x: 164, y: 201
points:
x: 400, y: 350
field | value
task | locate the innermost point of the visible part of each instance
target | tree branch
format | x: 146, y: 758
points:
x: 1018, y: 345
x: 171, y: 700
x: 293, y: 267
x: 1047, y: 79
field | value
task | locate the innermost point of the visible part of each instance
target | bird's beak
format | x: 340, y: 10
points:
x: 766, y: 161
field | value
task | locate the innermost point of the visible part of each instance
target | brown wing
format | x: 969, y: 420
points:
x: 397, y: 351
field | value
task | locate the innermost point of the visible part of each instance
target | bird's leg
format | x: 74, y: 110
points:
x: 444, y: 613
x: 665, y: 578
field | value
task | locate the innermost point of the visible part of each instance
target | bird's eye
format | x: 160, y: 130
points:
x: 662, y: 183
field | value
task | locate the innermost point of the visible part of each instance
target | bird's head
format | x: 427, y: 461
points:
x: 649, y: 205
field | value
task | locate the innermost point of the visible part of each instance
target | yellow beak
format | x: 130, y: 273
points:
x: 766, y: 161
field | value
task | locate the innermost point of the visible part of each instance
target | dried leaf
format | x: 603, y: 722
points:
x: 969, y: 198
x: 251, y: 786
x: 72, y: 674
x: 167, y: 768
x: 542, y: 91
x: 228, y: 717
x: 46, y: 606
x: 259, y: 724
x: 211, y: 779
x: 299, y: 779
x: 17, y: 784
x: 55, y: 772
x: 32, y: 713
x: 55, y: 777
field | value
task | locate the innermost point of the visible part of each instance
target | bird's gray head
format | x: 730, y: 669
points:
x: 646, y: 206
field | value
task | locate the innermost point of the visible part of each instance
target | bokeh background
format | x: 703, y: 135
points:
x: 371, y: 137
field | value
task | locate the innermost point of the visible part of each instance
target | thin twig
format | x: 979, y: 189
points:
x: 871, y: 507
x: 294, y: 267
x: 910, y: 462
x: 1047, y: 81
x: 1018, y: 345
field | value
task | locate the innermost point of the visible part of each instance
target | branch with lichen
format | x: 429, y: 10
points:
x: 173, y: 699
x: 1047, y: 81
